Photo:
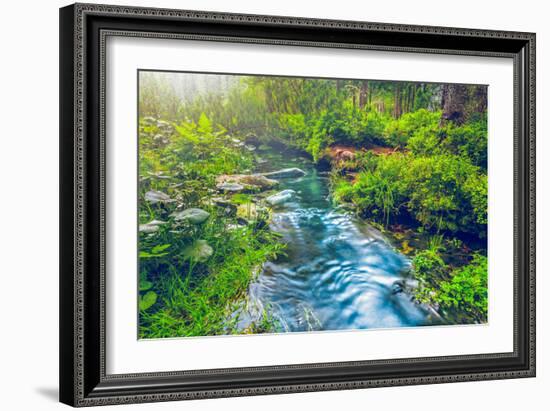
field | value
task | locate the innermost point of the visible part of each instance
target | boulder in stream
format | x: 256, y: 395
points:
x: 191, y: 215
x: 260, y: 181
x: 248, y: 182
x: 281, y: 197
x: 285, y: 173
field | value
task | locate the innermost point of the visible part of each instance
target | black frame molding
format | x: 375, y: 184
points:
x: 84, y: 29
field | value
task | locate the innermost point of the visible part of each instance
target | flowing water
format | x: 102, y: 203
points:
x: 339, y: 272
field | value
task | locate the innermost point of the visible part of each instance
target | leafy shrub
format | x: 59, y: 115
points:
x: 438, y: 196
x: 294, y: 129
x: 344, y: 123
x: 430, y: 269
x: 315, y: 146
x: 476, y: 188
x: 203, y: 153
x: 373, y: 126
x: 429, y: 264
x: 398, y: 132
x: 343, y: 191
x: 466, y: 291
x: 461, y: 293
x: 341, y: 123
x: 380, y: 191
x: 312, y: 135
x: 441, y: 192
x: 469, y: 140
x: 425, y: 142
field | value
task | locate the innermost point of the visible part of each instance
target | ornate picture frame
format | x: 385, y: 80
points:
x: 84, y: 30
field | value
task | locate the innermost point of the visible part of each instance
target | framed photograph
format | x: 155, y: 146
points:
x: 260, y: 204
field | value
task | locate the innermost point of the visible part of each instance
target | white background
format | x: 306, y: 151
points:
x: 29, y: 205
x: 125, y: 354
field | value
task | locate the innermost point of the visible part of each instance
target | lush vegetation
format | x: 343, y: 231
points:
x: 401, y: 155
x: 461, y: 293
x: 194, y: 272
x: 442, y: 192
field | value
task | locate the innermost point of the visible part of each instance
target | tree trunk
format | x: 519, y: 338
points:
x: 397, y: 100
x: 410, y: 98
x: 363, y: 93
x: 413, y: 97
x: 453, y: 101
x: 480, y: 98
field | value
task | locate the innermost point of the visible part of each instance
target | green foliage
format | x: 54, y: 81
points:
x: 435, y: 243
x: 425, y: 142
x: 311, y: 114
x: 439, y: 196
x: 198, y: 299
x: 429, y: 267
x: 343, y: 123
x: 466, y: 291
x: 315, y: 146
x: 145, y: 285
x: 343, y: 191
x: 156, y: 251
x: 461, y: 293
x: 203, y: 153
x: 469, y: 140
x: 433, y: 177
x: 147, y: 300
x: 294, y: 129
x: 420, y: 123
x: 193, y: 276
x: 373, y: 126
x: 157, y: 96
x: 378, y: 191
x: 441, y: 192
x: 241, y: 198
x: 197, y: 251
x: 204, y: 125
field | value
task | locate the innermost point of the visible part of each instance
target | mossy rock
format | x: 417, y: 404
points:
x: 230, y: 187
x: 192, y: 215
x: 151, y: 227
x: 148, y: 228
x: 157, y: 197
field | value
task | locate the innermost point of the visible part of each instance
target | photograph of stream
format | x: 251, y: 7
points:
x: 271, y: 204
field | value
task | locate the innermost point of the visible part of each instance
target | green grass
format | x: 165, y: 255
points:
x: 201, y: 300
